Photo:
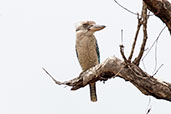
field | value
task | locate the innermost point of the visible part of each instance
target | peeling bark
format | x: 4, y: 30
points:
x: 162, y: 9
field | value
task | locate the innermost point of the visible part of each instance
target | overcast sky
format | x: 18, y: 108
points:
x: 41, y: 33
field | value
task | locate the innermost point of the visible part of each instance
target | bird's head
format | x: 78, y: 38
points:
x: 88, y: 27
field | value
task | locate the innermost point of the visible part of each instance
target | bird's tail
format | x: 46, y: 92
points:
x: 93, y: 92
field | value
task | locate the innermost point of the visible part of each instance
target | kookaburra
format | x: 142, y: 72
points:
x: 87, y: 49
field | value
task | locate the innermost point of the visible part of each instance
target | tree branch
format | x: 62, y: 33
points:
x: 123, y: 55
x: 162, y: 9
x: 145, y: 18
x: 135, y: 38
x: 114, y: 67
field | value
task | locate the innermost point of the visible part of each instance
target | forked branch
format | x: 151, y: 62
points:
x: 114, y: 67
x: 129, y: 71
x: 135, y: 38
x: 144, y: 17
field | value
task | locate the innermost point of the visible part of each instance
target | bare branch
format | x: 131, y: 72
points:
x: 121, y: 36
x: 114, y: 67
x: 135, y: 38
x: 158, y: 69
x: 154, y: 43
x: 147, y: 84
x: 145, y: 17
x: 122, y: 53
x: 57, y: 82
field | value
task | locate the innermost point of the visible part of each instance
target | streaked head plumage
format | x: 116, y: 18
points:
x: 88, y: 26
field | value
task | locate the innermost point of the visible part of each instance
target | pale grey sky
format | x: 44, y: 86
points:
x: 41, y: 33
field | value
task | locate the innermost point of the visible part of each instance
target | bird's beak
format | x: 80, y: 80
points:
x: 97, y: 27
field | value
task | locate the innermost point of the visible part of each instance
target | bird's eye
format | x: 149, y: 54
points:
x: 85, y: 25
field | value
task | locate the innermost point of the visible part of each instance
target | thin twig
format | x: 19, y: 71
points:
x: 148, y: 111
x: 145, y: 17
x: 57, y: 82
x: 122, y: 53
x: 157, y: 70
x: 155, y: 66
x: 154, y: 43
x: 155, y: 56
x: 122, y: 48
x: 149, y: 106
x: 135, y: 38
x: 125, y: 8
x: 121, y: 36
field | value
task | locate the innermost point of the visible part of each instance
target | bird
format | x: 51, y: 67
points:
x: 87, y: 50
